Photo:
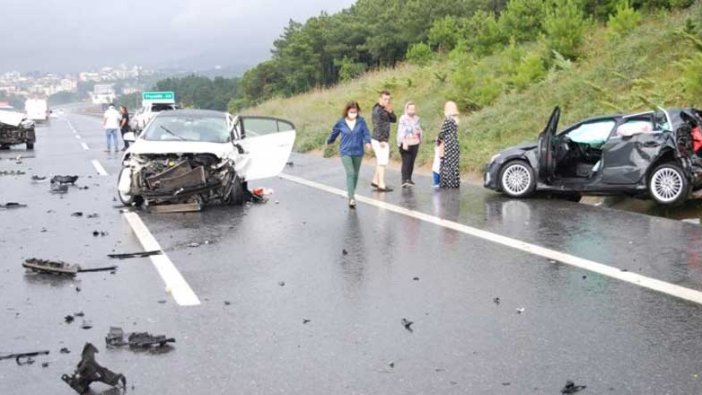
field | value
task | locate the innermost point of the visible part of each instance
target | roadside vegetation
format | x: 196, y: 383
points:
x: 508, y: 72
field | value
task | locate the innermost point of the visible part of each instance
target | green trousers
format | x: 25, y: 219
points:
x: 352, y: 165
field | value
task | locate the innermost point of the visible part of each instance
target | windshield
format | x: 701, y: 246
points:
x: 209, y: 129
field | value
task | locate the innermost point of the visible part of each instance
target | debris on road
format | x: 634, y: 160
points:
x: 77, y: 214
x: 100, y: 233
x: 227, y: 303
x: 59, y: 188
x: 45, y: 365
x: 136, y: 340
x: 89, y: 371
x: 61, y: 268
x: 11, y: 205
x: 344, y: 252
x: 571, y: 388
x: 281, y: 283
x: 25, y: 358
x: 128, y: 255
x: 521, y: 310
x: 415, y: 278
x: 93, y: 215
x: 12, y: 173
x: 38, y: 178
x: 64, y: 180
x: 86, y: 325
x: 496, y: 300
x: 65, y: 350
x: 407, y: 324
x: 305, y: 321
x: 69, y: 319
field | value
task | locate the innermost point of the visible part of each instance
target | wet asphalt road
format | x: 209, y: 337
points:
x: 261, y: 271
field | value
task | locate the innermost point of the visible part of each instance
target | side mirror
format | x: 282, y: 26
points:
x: 129, y: 137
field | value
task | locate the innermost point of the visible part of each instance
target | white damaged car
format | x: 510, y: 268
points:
x: 201, y: 157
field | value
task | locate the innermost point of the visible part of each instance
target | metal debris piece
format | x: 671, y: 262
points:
x: 12, y: 173
x: 24, y: 358
x: 135, y: 254
x: 571, y: 388
x: 136, y: 340
x: 89, y: 371
x: 60, y: 267
x: 407, y: 324
x: 64, y: 180
x: 10, y: 205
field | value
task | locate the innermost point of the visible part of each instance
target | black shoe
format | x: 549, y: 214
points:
x: 374, y: 185
x: 411, y: 182
x: 386, y: 189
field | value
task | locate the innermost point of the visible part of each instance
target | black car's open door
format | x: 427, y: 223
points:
x: 547, y: 160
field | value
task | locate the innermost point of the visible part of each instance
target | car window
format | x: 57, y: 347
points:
x: 261, y: 126
x: 594, y: 134
x: 210, y: 129
x: 636, y: 126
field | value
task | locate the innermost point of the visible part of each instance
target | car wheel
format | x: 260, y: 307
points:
x: 237, y: 194
x: 30, y: 145
x: 668, y: 184
x: 126, y: 198
x: 517, y: 179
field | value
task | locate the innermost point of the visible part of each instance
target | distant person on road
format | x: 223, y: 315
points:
x: 124, y: 125
x: 448, y: 137
x: 383, y: 116
x: 354, y: 137
x: 409, y: 135
x: 110, y: 121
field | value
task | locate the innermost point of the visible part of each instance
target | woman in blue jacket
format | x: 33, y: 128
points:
x: 354, y: 137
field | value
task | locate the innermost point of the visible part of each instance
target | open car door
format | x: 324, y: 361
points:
x: 265, y: 144
x: 547, y: 160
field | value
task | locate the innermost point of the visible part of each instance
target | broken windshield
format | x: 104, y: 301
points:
x: 210, y: 129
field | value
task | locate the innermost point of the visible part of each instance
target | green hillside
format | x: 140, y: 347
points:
x: 508, y: 95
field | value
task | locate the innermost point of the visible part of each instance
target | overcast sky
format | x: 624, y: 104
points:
x: 61, y: 35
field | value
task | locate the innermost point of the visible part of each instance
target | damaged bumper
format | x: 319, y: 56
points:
x: 199, y: 178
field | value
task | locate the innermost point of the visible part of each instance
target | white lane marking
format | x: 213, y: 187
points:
x: 101, y: 170
x: 85, y: 146
x: 174, y: 281
x: 612, y: 272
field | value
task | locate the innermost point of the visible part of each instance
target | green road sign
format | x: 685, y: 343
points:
x: 151, y: 96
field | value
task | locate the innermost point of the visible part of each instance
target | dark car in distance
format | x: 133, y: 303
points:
x: 648, y: 154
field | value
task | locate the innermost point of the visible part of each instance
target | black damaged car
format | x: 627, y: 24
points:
x: 648, y: 154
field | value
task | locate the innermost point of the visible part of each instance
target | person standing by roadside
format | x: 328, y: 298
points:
x: 383, y: 116
x: 124, y: 125
x: 409, y: 135
x: 450, y: 176
x: 354, y: 137
x: 110, y: 121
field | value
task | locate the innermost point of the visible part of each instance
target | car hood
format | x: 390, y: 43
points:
x: 526, y: 146
x: 11, y: 118
x: 146, y: 147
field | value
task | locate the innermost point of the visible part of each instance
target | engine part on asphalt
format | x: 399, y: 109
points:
x: 60, y: 267
x: 571, y: 388
x: 89, y: 371
x: 136, y: 340
x: 128, y: 255
x: 25, y: 358
x: 64, y: 180
x: 10, y: 205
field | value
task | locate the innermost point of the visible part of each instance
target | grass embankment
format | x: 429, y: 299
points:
x: 613, y: 75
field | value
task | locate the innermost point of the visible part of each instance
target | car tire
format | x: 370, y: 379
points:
x: 30, y: 146
x: 126, y: 199
x: 237, y: 195
x: 668, y: 185
x: 517, y: 179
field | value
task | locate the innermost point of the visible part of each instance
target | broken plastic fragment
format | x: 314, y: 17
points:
x: 89, y: 371
x: 571, y: 388
x: 407, y: 324
x: 64, y: 179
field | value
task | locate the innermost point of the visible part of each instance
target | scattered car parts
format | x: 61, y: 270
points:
x: 128, y: 255
x: 10, y: 205
x: 136, y: 340
x: 60, y: 267
x: 89, y: 371
x: 64, y: 180
x: 25, y: 358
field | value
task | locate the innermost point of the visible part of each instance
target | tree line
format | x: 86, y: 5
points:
x: 332, y: 48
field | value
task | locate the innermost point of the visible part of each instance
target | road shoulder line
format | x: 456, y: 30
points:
x: 677, y: 291
x: 174, y: 281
